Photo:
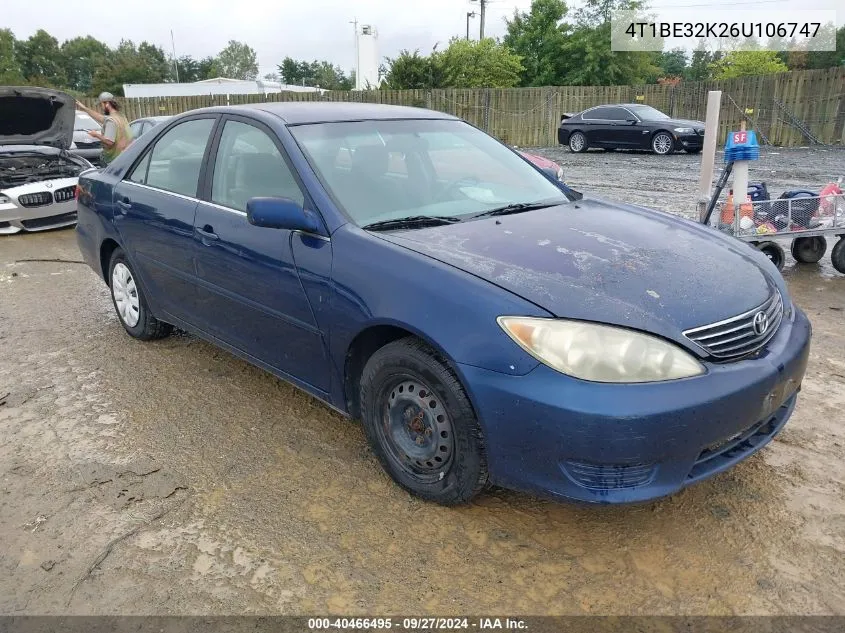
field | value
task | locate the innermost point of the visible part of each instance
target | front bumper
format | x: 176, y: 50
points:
x: 607, y: 443
x: 689, y: 141
x: 58, y: 211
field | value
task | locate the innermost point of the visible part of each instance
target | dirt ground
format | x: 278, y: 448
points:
x: 171, y: 478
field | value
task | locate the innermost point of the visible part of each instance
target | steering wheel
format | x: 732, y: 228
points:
x: 454, y: 184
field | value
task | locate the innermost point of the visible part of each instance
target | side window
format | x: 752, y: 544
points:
x: 599, y: 113
x: 248, y: 164
x: 176, y: 157
x: 139, y: 174
x: 618, y: 114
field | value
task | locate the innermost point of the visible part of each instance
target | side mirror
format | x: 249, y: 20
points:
x: 632, y: 121
x: 281, y: 213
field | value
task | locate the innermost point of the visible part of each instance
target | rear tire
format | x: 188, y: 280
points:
x: 662, y: 144
x: 129, y: 301
x: 577, y: 142
x: 420, y: 423
x: 808, y: 250
x: 774, y: 252
x: 837, y: 255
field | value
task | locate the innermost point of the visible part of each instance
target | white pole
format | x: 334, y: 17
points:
x: 740, y: 186
x: 708, y: 152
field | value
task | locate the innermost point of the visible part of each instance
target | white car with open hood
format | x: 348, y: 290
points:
x: 38, y: 175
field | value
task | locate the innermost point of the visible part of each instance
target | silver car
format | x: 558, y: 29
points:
x: 84, y: 144
x: 38, y: 175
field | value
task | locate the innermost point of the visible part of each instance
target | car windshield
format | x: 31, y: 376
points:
x: 648, y: 113
x: 385, y: 170
x: 85, y: 122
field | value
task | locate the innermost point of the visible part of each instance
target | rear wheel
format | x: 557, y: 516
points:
x: 662, y: 143
x: 837, y: 255
x: 577, y: 142
x: 774, y: 252
x: 808, y: 250
x: 129, y: 301
x: 420, y: 424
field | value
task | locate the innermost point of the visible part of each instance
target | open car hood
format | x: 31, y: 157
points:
x: 36, y: 116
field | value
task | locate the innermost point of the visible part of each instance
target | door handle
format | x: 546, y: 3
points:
x: 207, y: 233
x: 124, y: 204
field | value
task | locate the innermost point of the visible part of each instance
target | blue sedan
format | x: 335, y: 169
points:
x: 485, y: 324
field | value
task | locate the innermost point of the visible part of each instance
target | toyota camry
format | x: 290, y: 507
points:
x: 485, y: 324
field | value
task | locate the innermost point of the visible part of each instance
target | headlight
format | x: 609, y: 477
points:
x: 684, y: 130
x: 4, y: 199
x: 600, y: 353
x: 559, y: 174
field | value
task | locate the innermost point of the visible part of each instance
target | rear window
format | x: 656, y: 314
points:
x: 85, y: 122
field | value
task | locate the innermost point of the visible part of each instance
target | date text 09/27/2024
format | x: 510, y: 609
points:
x: 417, y: 624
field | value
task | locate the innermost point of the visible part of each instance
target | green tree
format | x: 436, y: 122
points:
x: 673, y: 63
x: 192, y: 69
x: 41, y: 60
x: 700, y: 64
x: 80, y: 57
x: 411, y: 71
x: 321, y: 74
x: 829, y: 59
x: 237, y: 61
x: 745, y: 63
x: 128, y: 64
x: 539, y: 38
x: 10, y: 69
x: 478, y: 64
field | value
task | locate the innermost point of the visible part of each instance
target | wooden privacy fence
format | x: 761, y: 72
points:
x: 788, y: 109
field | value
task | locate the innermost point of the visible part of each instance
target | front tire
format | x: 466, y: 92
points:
x: 774, y: 252
x: 129, y: 301
x: 663, y: 144
x: 420, y: 423
x: 837, y: 255
x: 577, y: 142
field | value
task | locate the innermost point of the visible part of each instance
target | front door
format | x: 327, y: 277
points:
x: 250, y: 293
x: 154, y: 214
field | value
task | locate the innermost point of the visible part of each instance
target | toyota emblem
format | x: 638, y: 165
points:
x: 760, y: 323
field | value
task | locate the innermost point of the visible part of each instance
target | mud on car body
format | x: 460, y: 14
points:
x: 485, y: 324
x: 38, y: 175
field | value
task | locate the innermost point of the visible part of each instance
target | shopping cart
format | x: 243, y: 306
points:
x: 806, y: 218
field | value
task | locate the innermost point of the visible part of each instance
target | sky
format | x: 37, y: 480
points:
x: 305, y: 29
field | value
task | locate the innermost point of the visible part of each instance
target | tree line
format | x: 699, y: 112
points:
x: 549, y: 46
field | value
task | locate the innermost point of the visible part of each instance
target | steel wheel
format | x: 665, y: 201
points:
x: 808, y: 250
x: 662, y: 143
x: 416, y: 429
x: 577, y: 142
x: 125, y: 294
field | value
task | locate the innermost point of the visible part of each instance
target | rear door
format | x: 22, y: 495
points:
x: 155, y: 206
x: 597, y: 125
x: 251, y: 295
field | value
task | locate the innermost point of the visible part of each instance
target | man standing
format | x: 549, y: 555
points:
x: 116, y: 134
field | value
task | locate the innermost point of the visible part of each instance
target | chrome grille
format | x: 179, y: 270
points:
x: 35, y: 199
x: 736, y: 337
x: 64, y: 194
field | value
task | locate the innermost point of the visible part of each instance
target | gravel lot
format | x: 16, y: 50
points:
x: 171, y: 478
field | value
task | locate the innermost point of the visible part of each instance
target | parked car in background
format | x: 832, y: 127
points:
x: 84, y: 144
x: 143, y: 125
x: 549, y: 166
x: 38, y: 175
x: 630, y: 126
x: 415, y: 273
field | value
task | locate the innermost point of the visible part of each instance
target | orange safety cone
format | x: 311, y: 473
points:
x: 728, y: 210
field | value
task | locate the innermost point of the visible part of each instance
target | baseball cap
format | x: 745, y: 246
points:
x: 106, y: 96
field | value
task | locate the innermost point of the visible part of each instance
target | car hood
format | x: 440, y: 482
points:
x: 36, y: 116
x: 540, y: 161
x: 679, y: 123
x: 598, y: 261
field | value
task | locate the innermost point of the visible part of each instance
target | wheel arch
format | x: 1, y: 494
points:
x: 371, y: 339
x: 107, y: 249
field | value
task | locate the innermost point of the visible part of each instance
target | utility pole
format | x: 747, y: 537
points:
x: 470, y: 14
x: 354, y: 24
x: 483, y: 4
x: 175, y: 63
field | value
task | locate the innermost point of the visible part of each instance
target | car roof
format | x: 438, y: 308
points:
x: 294, y: 113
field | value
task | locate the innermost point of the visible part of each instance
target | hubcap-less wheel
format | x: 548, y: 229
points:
x: 416, y: 430
x: 809, y: 250
x: 125, y: 294
x: 662, y: 144
x: 577, y: 142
